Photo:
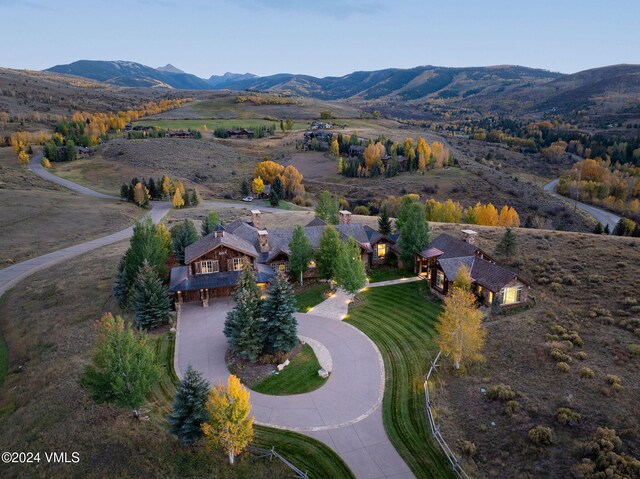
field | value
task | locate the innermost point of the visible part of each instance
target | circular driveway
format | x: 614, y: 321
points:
x: 353, y: 391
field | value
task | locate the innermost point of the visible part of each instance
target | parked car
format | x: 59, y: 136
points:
x: 248, y: 199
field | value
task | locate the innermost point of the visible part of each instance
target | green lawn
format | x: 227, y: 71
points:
x: 401, y: 321
x: 385, y: 274
x: 304, y: 452
x: 310, y: 296
x: 213, y: 124
x: 300, y: 376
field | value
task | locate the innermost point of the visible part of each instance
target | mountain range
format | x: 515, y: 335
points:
x: 502, y: 87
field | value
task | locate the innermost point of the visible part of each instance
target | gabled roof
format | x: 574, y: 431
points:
x: 430, y: 253
x: 453, y: 247
x: 483, y: 272
x: 316, y: 222
x: 450, y: 266
x: 211, y: 242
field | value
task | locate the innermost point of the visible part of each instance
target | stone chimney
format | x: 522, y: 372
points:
x: 263, y: 241
x: 470, y: 236
x: 345, y: 217
x: 256, y: 219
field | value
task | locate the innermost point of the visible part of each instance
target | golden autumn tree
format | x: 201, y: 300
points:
x: 140, y: 194
x: 460, y: 332
x: 164, y: 235
x: 486, y: 215
x: 268, y: 170
x: 180, y: 188
x: 178, y: 200
x: 424, y: 154
x: 257, y: 185
x: 334, y: 148
x: 292, y: 181
x: 229, y: 427
x: 371, y: 156
x: 166, y: 186
x: 23, y: 158
x: 439, y: 153
x: 508, y: 217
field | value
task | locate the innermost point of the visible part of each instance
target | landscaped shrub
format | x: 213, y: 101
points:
x: 361, y: 210
x: 308, y: 203
x: 564, y: 367
x: 541, y: 435
x: 512, y: 407
x: 298, y: 200
x: 469, y: 449
x: 564, y: 415
x: 502, y: 392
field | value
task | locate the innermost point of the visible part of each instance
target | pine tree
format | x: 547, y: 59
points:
x: 124, y: 191
x: 414, y: 233
x: 508, y: 245
x: 350, y: 273
x: 460, y: 332
x: 243, y: 327
x: 277, y: 191
x: 153, y: 192
x: 326, y: 255
x: 598, y: 230
x: 229, y: 427
x: 607, y: 230
x: 384, y: 222
x: 189, y: 408
x: 212, y: 219
x: 150, y: 299
x: 280, y: 324
x: 244, y: 188
x: 147, y: 244
x: 300, y: 252
x: 124, y: 367
x: 182, y: 235
x: 119, y: 287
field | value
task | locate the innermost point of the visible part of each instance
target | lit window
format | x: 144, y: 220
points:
x: 511, y: 295
x: 381, y: 250
x: 280, y: 266
x: 238, y: 263
x: 440, y: 280
x: 209, y: 266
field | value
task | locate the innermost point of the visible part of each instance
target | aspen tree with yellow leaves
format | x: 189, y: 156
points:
x: 230, y: 427
x: 460, y: 332
x: 178, y: 200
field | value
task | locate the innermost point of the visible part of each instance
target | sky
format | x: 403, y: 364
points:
x: 320, y: 37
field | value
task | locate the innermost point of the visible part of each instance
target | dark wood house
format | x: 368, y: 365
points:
x: 439, y: 263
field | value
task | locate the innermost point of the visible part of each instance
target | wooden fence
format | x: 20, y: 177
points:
x: 435, y: 430
x: 271, y: 453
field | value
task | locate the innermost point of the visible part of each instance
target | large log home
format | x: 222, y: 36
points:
x: 214, y: 262
x: 441, y: 260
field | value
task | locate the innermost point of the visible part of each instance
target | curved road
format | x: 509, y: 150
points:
x: 600, y: 215
x: 344, y: 413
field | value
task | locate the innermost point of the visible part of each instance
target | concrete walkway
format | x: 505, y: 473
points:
x: 345, y: 413
x: 391, y: 282
x: 320, y: 350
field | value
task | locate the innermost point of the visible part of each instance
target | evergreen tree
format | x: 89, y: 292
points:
x: 212, y: 219
x: 598, y: 230
x: 243, y: 326
x: 124, y: 368
x: 405, y: 203
x: 300, y: 252
x: 182, y: 235
x: 350, y: 273
x: 508, y: 245
x: 150, y: 299
x: 414, y: 233
x: 124, y: 191
x: 119, y: 287
x: 153, y: 191
x: 384, y: 222
x: 71, y: 151
x: 328, y: 208
x: 189, y: 408
x: 147, y: 244
x: 195, y: 197
x: 607, y: 230
x: 244, y: 188
x: 326, y: 255
x: 277, y: 191
x: 280, y: 324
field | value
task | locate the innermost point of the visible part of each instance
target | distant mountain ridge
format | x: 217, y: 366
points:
x: 502, y: 88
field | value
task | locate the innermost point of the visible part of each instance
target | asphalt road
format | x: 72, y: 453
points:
x: 600, y: 215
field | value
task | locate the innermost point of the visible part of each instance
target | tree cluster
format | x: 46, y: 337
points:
x: 256, y: 326
x: 286, y: 181
x: 480, y: 214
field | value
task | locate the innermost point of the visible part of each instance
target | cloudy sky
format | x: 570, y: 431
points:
x: 320, y: 37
